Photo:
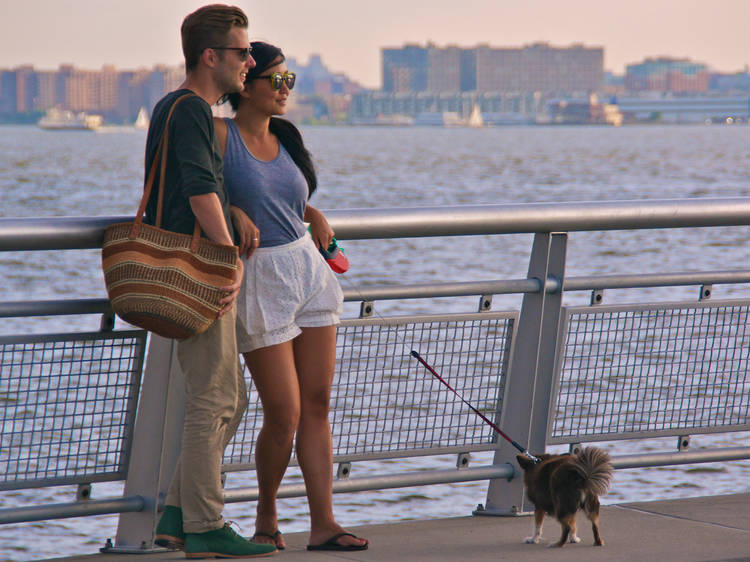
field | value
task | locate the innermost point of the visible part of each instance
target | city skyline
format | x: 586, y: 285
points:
x: 349, y: 37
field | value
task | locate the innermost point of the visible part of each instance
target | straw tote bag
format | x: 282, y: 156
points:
x: 162, y: 281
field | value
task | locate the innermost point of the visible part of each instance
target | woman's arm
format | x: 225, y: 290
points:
x: 247, y: 232
x: 321, y: 231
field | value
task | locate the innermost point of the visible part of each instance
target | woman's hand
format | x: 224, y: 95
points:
x: 247, y: 232
x: 321, y: 232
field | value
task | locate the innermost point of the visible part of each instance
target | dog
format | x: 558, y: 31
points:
x: 560, y: 485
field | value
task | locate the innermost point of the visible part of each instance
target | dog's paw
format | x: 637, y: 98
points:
x: 555, y: 545
x: 574, y: 539
x: 532, y: 540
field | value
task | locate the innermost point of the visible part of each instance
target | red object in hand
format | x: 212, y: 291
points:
x: 335, y: 257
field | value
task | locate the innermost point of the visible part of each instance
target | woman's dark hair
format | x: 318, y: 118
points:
x: 290, y: 137
x: 266, y: 56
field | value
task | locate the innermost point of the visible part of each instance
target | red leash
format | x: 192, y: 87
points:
x: 489, y: 422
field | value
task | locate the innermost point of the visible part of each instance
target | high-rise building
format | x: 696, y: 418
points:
x: 667, y: 75
x: 108, y: 93
x: 562, y: 70
x: 117, y: 95
x: 7, y: 92
x: 468, y: 70
x: 498, y: 70
x: 26, y: 88
x: 46, y: 90
x: 405, y: 69
x: 443, y: 69
x: 535, y: 68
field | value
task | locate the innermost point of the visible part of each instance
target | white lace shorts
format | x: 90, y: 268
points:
x: 286, y: 288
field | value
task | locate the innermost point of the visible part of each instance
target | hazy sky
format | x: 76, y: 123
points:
x: 349, y: 33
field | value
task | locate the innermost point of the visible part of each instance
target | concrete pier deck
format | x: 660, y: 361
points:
x: 696, y: 529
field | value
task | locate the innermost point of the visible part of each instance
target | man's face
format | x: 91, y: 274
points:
x: 231, y: 70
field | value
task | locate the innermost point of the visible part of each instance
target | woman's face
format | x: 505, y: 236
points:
x: 260, y: 94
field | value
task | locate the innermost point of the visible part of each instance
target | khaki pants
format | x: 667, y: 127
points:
x: 215, y: 400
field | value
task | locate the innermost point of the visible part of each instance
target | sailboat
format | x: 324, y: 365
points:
x: 142, y: 120
x: 475, y: 119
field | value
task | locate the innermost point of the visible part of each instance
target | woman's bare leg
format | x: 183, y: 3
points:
x: 275, y: 378
x: 314, y: 357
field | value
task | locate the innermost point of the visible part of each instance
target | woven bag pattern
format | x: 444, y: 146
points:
x: 156, y: 282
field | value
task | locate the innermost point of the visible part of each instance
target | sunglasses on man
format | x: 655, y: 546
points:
x: 243, y: 52
x: 278, y: 79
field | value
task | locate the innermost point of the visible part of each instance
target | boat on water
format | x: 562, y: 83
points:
x: 64, y: 120
x: 141, y: 121
x: 450, y: 119
x: 475, y: 119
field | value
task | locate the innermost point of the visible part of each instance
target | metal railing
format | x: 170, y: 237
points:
x: 574, y: 373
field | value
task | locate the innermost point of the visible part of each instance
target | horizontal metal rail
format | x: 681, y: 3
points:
x: 348, y: 485
x: 539, y: 217
x: 55, y: 233
x: 681, y: 457
x: 403, y: 480
x: 17, y: 309
x: 506, y: 471
x: 72, y: 509
x: 656, y: 280
x: 59, y: 233
x: 510, y: 286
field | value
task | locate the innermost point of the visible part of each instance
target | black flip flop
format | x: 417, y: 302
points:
x: 332, y: 544
x: 273, y: 536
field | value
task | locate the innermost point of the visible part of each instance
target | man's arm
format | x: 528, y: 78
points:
x: 207, y: 209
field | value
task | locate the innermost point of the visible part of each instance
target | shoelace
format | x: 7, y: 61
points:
x: 228, y: 525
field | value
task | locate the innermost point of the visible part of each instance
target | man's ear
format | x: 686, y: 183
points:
x: 210, y: 57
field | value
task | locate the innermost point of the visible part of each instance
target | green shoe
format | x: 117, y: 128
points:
x: 223, y: 543
x: 169, y: 532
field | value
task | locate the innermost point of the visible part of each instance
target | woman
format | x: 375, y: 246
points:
x: 291, y: 301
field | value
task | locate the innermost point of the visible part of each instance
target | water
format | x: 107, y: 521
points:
x: 80, y: 174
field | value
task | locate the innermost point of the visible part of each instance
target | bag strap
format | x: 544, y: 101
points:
x: 161, y: 158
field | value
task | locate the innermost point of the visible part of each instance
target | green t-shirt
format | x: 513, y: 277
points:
x: 194, y: 162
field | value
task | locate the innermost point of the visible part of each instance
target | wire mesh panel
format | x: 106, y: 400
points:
x: 67, y: 404
x: 385, y: 403
x: 651, y: 370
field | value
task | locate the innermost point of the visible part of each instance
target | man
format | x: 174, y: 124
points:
x: 217, y: 57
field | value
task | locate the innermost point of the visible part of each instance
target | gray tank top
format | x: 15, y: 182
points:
x: 273, y: 193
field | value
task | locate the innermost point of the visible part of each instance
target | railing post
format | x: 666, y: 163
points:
x: 156, y: 444
x: 528, y: 389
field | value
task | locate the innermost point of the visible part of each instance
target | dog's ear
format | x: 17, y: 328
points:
x: 524, y: 461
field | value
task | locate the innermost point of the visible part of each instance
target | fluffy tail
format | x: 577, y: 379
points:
x: 595, y: 466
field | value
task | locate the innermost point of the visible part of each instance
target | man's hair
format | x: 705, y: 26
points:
x: 207, y: 27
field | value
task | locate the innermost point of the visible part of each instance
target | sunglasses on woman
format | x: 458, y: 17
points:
x: 278, y: 79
